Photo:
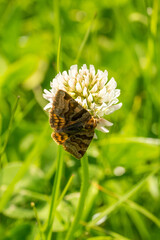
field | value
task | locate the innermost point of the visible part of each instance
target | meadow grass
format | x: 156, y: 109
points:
x: 44, y: 191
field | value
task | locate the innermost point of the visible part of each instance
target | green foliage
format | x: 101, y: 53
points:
x: 121, y: 36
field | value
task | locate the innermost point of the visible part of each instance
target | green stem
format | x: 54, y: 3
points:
x: 83, y: 194
x: 58, y: 55
x: 55, y: 193
x: 38, y: 221
x: 59, y: 167
x: 85, y: 39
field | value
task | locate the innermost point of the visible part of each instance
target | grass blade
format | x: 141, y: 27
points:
x: 55, y: 192
x: 36, y: 151
x: 85, y: 40
x: 113, y: 207
x: 10, y: 126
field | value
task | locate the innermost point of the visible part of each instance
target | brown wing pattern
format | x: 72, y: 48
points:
x: 66, y: 111
x: 77, y: 144
x: 73, y: 125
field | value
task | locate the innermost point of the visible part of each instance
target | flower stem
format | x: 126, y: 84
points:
x: 55, y: 192
x: 83, y: 194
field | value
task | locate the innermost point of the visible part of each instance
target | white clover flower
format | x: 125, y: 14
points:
x: 90, y: 89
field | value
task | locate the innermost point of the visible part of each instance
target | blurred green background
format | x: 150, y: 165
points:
x: 124, y: 164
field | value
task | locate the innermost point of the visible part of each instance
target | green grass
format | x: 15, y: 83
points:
x: 37, y: 39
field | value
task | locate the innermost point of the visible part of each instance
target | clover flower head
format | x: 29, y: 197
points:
x: 89, y: 88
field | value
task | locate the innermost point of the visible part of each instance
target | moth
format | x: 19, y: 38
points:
x: 73, y: 125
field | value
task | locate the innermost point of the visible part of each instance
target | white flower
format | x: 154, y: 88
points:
x: 90, y: 89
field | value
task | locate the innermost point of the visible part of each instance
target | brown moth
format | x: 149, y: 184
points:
x: 73, y: 125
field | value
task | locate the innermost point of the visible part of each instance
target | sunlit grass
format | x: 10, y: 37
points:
x: 123, y: 38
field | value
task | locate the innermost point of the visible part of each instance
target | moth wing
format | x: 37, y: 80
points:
x: 66, y: 111
x: 59, y: 138
x: 68, y: 119
x: 77, y: 144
